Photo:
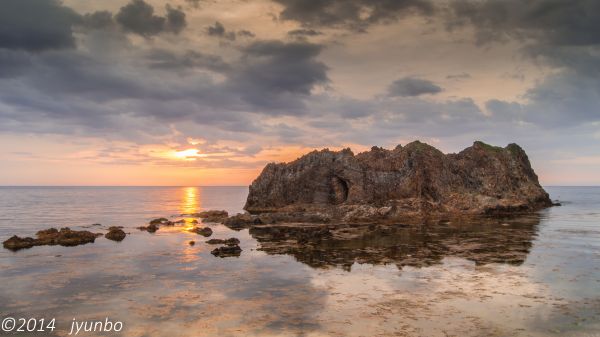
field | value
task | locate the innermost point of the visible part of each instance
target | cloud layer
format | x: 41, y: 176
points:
x: 259, y: 80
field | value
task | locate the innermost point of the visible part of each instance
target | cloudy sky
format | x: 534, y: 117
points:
x: 206, y: 92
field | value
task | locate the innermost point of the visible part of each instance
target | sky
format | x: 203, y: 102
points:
x: 206, y: 92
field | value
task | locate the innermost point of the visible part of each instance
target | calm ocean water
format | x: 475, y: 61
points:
x: 537, y: 275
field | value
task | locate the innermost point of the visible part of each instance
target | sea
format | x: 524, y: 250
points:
x: 531, y: 275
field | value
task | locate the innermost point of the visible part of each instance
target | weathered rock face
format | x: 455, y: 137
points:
x: 413, y: 180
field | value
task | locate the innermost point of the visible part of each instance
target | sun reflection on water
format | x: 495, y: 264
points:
x: 190, y: 202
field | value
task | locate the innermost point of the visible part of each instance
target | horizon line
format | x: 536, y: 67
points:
x: 3, y: 186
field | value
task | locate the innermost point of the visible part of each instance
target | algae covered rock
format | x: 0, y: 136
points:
x: 115, y: 234
x: 52, y: 236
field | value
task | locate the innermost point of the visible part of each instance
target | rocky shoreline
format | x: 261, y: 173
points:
x: 320, y: 242
x: 68, y: 237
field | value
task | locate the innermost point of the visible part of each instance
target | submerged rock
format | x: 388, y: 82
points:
x: 52, y: 236
x: 415, y: 180
x: 158, y: 221
x: 204, y: 231
x: 161, y: 221
x: 241, y: 221
x: 291, y: 217
x: 227, y: 251
x: 192, y: 242
x: 151, y: 228
x: 115, y: 234
x: 17, y: 242
x: 229, y: 242
x: 210, y: 215
x: 213, y: 216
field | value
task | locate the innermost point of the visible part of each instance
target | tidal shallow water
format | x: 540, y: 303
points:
x: 534, y: 275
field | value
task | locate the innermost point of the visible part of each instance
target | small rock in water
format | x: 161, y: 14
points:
x: 204, y: 231
x: 115, y: 234
x: 151, y: 228
x: 191, y: 243
x: 52, y: 236
x: 158, y: 221
x: 227, y: 251
x: 210, y: 215
x: 229, y: 242
x: 162, y: 221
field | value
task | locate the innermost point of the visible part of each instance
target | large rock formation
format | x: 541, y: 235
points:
x: 413, y: 180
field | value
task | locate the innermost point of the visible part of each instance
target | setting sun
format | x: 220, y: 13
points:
x: 190, y: 154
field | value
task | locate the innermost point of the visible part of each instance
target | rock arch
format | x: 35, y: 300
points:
x: 339, y: 190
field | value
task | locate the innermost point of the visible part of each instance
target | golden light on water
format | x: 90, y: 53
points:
x: 190, y: 202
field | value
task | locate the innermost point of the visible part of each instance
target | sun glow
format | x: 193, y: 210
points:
x: 190, y: 154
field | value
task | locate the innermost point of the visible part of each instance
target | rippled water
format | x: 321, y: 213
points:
x: 536, y: 275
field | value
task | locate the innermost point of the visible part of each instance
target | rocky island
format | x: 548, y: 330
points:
x: 416, y: 180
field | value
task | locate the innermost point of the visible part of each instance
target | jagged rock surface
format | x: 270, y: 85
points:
x: 413, y: 180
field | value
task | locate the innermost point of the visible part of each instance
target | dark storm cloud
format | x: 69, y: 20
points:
x: 277, y: 76
x: 566, y: 99
x: 98, y: 20
x: 461, y: 76
x: 138, y: 17
x: 560, y: 34
x: 245, y: 33
x: 73, y: 91
x: 304, y: 32
x: 218, y: 30
x: 165, y: 59
x: 36, y: 25
x: 410, y: 86
x: 194, y: 3
x: 355, y: 14
x: 558, y: 22
x: 175, y: 19
x: 79, y: 74
x: 13, y: 62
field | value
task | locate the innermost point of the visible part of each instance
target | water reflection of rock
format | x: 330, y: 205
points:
x: 485, y: 240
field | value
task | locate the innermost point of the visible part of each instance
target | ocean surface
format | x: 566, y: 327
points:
x: 534, y: 275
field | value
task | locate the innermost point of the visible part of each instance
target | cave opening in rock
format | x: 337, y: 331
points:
x: 339, y: 190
